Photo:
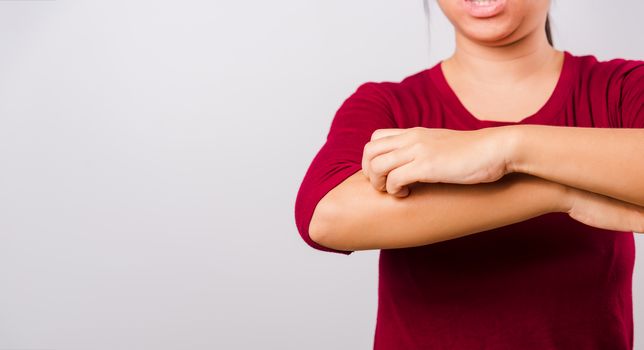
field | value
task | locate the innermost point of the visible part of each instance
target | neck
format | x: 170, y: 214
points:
x: 504, y: 64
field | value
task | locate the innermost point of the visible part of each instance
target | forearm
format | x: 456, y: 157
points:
x: 607, y: 161
x: 355, y: 216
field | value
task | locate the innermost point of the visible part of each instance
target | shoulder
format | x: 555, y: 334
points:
x: 609, y: 72
x: 396, y: 88
x: 399, y: 95
x: 414, y: 98
x: 613, y: 87
x: 379, y: 103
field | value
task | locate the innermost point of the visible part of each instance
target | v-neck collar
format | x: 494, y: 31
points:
x: 549, y: 111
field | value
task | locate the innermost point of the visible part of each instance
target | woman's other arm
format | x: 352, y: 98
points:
x: 609, y: 161
x: 355, y: 216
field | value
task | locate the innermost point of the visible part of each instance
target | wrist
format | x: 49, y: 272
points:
x: 511, y: 145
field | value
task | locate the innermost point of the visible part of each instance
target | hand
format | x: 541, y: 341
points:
x: 605, y: 212
x: 395, y: 158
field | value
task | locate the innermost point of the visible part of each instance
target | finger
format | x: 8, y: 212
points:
x: 381, y: 165
x: 402, y: 176
x: 374, y: 148
x: 380, y: 133
x: 404, y: 192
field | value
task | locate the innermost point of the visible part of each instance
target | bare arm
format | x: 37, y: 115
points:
x: 355, y: 216
x: 602, y: 160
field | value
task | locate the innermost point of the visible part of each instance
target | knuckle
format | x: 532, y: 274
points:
x: 367, y: 147
x: 416, y: 147
x: 377, y: 166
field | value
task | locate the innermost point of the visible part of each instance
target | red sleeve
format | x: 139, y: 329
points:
x: 632, y: 96
x: 341, y: 155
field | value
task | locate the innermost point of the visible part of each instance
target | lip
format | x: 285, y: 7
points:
x: 491, y: 9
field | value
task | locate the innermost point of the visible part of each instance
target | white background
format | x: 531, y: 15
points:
x: 151, y: 152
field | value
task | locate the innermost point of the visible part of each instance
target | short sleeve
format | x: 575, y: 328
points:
x: 363, y: 112
x: 632, y: 96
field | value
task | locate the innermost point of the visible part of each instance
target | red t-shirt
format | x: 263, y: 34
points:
x: 549, y: 282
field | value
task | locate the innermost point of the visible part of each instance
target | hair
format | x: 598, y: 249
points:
x: 548, y: 30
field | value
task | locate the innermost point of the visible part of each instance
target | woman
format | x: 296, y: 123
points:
x: 502, y: 187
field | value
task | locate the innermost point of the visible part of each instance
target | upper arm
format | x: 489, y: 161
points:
x: 622, y: 87
x: 632, y: 96
x: 364, y: 111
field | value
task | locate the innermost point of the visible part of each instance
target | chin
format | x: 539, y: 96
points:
x: 499, y: 33
x: 494, y: 22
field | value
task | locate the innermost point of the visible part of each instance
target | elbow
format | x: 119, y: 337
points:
x: 318, y: 236
x: 320, y: 226
x: 333, y: 233
x: 326, y: 238
x: 316, y: 231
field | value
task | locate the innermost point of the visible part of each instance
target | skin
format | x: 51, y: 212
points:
x: 408, y: 173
